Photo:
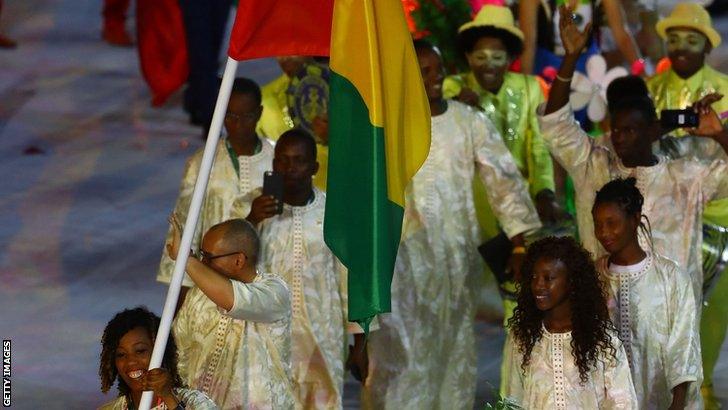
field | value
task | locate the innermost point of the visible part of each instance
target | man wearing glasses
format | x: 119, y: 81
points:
x: 233, y: 330
x: 237, y: 173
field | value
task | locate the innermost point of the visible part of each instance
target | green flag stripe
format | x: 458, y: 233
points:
x: 362, y: 226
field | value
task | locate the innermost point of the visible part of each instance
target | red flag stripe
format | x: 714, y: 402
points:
x: 268, y: 28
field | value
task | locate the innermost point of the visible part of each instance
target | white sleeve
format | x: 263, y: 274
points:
x: 266, y: 301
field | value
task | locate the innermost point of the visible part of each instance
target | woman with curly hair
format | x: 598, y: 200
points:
x: 562, y: 351
x: 126, y: 348
x: 650, y: 300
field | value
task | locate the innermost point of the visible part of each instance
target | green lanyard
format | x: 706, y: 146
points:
x: 234, y: 155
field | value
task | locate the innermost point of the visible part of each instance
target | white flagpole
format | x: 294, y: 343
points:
x: 193, y: 214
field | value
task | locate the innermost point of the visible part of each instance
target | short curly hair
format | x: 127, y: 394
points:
x: 591, y: 325
x: 121, y: 324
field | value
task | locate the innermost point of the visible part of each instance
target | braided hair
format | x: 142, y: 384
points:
x: 120, y: 325
x: 591, y: 326
x: 624, y: 193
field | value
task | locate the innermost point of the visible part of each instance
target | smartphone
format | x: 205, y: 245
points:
x: 679, y: 119
x: 273, y: 185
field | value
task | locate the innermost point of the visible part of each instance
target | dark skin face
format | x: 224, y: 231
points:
x: 489, y: 62
x: 617, y: 232
x: 632, y: 136
x: 687, y: 49
x: 241, y: 117
x: 433, y: 75
x: 132, y: 358
x: 550, y: 288
x: 293, y: 160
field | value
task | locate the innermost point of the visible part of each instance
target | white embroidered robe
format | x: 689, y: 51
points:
x: 651, y: 304
x: 292, y: 244
x: 551, y: 379
x: 423, y: 355
x: 240, y: 358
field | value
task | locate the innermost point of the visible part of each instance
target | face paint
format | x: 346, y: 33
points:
x: 686, y: 40
x: 489, y: 58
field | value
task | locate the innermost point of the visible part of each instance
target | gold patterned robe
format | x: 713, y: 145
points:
x: 240, y: 358
x: 551, y: 380
x: 650, y: 304
x: 230, y: 191
x: 292, y: 244
x: 675, y: 191
x: 423, y: 355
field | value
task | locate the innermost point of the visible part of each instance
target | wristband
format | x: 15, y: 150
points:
x: 518, y: 250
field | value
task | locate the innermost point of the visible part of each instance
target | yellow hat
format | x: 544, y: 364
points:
x: 494, y: 16
x: 690, y: 15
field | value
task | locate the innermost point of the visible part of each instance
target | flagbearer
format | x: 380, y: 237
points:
x: 233, y: 330
x: 293, y: 247
x: 423, y: 355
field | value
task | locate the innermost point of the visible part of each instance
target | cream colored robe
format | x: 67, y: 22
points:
x: 551, y: 380
x: 292, y: 244
x: 652, y: 308
x: 229, y: 194
x: 192, y: 399
x: 423, y: 355
x: 240, y: 358
x: 675, y: 190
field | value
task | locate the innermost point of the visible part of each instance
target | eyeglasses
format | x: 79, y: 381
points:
x: 207, y: 257
x: 240, y: 117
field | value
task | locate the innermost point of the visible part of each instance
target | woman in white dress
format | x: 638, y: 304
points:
x: 126, y: 348
x: 562, y: 350
x: 650, y: 301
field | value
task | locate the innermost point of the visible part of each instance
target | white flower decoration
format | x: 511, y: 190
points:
x: 590, y: 90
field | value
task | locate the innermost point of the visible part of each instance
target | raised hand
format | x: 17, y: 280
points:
x: 173, y: 244
x: 709, y: 124
x: 573, y: 39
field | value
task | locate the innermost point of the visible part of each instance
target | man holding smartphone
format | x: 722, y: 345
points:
x: 690, y: 36
x: 289, y: 215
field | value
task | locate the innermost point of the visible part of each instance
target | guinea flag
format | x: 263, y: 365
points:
x: 379, y: 124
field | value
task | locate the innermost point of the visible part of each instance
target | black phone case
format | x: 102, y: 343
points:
x: 273, y: 185
x: 679, y: 118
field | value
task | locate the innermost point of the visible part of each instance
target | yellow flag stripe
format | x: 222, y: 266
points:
x: 372, y: 48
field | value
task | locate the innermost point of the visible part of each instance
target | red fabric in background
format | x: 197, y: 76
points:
x: 268, y: 28
x: 162, y: 47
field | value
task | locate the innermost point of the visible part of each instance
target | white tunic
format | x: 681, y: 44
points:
x: 240, y: 358
x: 229, y: 194
x: 192, y: 399
x: 651, y: 304
x: 423, y: 356
x: 551, y: 379
x: 292, y: 244
x: 674, y: 190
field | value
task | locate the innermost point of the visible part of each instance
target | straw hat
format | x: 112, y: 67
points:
x: 496, y: 17
x: 690, y: 15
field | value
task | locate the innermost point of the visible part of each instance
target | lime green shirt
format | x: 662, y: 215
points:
x: 513, y: 112
x: 669, y: 91
x: 275, y: 120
